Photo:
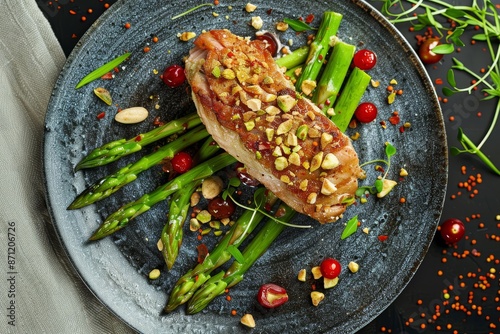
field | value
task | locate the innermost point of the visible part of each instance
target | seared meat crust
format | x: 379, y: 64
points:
x: 253, y: 112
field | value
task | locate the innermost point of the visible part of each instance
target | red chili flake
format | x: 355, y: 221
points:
x: 401, y: 129
x: 230, y: 54
x: 138, y: 138
x: 394, y: 119
x: 382, y: 237
x: 101, y: 115
x: 202, y: 252
x: 72, y: 12
x: 309, y: 18
x: 107, y: 76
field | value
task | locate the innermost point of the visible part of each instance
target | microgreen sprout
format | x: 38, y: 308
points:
x: 297, y: 25
x: 378, y: 184
x: 350, y: 227
x: 259, y: 200
x: 486, y: 18
x: 191, y: 10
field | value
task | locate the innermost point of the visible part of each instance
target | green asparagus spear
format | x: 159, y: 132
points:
x: 349, y: 98
x: 334, y: 73
x: 189, y: 282
x: 253, y: 251
x: 319, y: 48
x: 172, y: 233
x: 126, y: 213
x: 112, y: 183
x: 119, y: 148
x: 295, y: 58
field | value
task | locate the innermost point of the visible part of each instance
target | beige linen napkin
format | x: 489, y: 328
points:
x: 39, y: 291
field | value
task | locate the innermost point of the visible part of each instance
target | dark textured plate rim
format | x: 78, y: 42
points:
x: 410, y: 53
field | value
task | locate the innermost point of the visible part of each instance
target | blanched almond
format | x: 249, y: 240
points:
x: 131, y: 115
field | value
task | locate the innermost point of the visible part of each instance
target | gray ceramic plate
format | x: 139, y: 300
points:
x: 116, y: 268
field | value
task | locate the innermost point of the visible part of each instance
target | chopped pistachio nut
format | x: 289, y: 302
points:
x: 330, y: 112
x: 285, y: 179
x: 311, y: 199
x: 249, y: 125
x: 215, y: 224
x: 326, y: 139
x: 286, y: 102
x: 267, y: 80
x: 254, y: 104
x: 316, y: 271
x: 303, y: 184
x: 330, y: 161
x: 301, y: 132
x: 272, y: 110
x: 387, y: 186
x: 194, y: 224
x: 291, y: 139
x: 186, y: 36
x: 366, y: 230
x: 393, y: 82
x: 269, y: 97
x: 154, y: 274
x: 284, y: 127
x: 316, y: 162
x: 280, y: 163
x: 281, y: 26
x: 329, y: 283
x: 269, y: 134
x: 353, y: 267
x: 308, y: 86
x: 216, y: 72
x: 257, y: 22
x: 301, y: 276
x: 277, y: 152
x: 204, y: 216
x: 391, y: 98
x: 294, y: 159
x: 229, y: 75
x: 328, y: 187
x: 375, y: 83
x: 317, y: 297
x: 258, y: 155
x: 250, y: 7
x: 403, y: 172
x: 248, y: 320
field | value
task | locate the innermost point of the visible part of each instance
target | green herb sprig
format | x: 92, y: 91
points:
x: 298, y: 25
x: 99, y: 72
x: 377, y: 187
x: 259, y: 200
x: 484, y: 16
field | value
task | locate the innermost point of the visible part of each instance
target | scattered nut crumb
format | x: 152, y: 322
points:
x: 317, y: 297
x: 257, y: 22
x: 186, y: 36
x: 302, y: 275
x: 353, y: 267
x: 316, y: 271
x: 248, y: 320
x: 154, y: 274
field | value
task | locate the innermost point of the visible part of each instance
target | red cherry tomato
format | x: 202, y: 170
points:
x: 272, y: 44
x: 220, y: 208
x: 330, y: 268
x: 365, y: 59
x: 182, y: 162
x: 425, y: 51
x: 366, y: 112
x: 452, y: 230
x: 174, y: 76
x: 271, y: 295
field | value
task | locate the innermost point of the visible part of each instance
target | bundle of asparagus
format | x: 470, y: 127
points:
x: 198, y: 286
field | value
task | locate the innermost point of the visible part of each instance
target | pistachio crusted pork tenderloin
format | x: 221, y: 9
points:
x: 254, y: 113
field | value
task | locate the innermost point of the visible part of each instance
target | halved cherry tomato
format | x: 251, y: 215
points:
x: 272, y: 42
x: 271, y: 295
x: 182, y: 162
x: 330, y: 268
x: 452, y: 230
x: 425, y: 51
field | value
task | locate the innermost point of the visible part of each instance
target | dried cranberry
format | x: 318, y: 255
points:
x: 220, y: 208
x: 174, y: 76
